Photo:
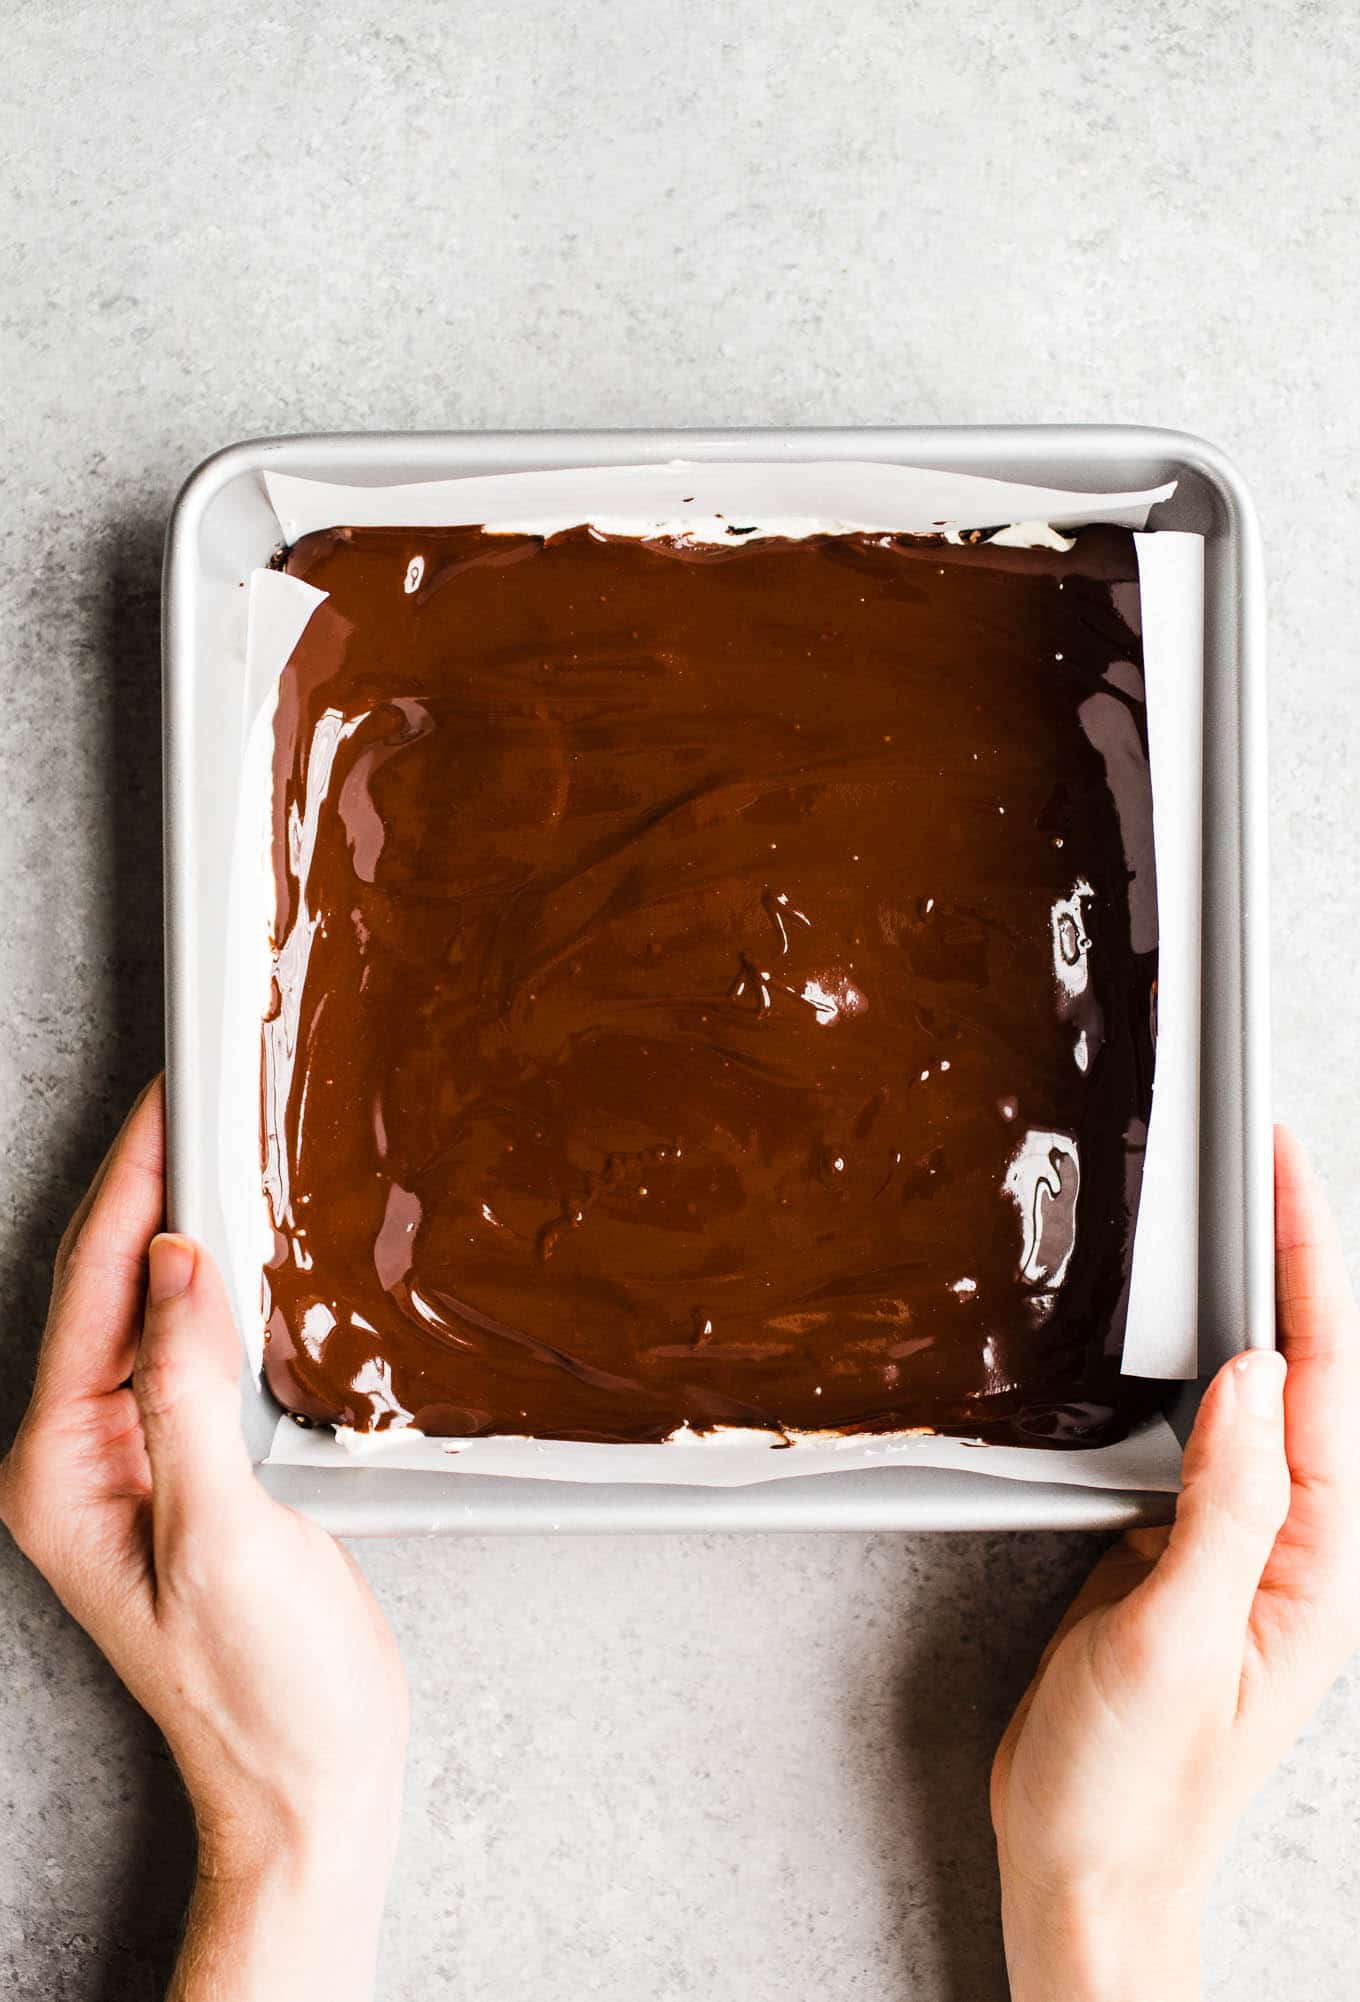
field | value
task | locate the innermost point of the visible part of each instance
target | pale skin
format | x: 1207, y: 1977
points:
x: 1192, y: 1657
x: 1179, y: 1678
x: 245, y: 1631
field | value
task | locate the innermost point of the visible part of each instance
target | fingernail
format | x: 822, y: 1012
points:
x: 170, y: 1268
x: 1259, y: 1376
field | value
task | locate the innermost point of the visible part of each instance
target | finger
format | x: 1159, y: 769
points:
x: 1319, y: 1326
x: 1125, y: 1565
x: 187, y: 1384
x: 82, y: 1210
x: 1198, y: 1596
x: 93, y: 1321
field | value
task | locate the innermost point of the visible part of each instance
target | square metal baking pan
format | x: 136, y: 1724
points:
x: 222, y: 528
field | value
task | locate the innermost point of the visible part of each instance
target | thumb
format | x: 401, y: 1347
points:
x: 1233, y: 1502
x: 187, y: 1383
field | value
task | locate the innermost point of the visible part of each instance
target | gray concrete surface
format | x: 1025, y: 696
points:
x: 741, y: 1769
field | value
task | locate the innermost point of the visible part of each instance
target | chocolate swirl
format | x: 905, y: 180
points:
x: 712, y: 988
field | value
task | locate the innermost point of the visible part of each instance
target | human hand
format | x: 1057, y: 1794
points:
x: 246, y: 1632
x: 1192, y: 1657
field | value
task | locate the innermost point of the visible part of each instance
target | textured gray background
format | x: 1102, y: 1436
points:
x: 749, y: 1768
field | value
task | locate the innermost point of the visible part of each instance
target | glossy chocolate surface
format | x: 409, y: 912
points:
x: 712, y: 988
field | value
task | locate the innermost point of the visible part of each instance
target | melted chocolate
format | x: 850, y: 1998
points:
x: 712, y: 988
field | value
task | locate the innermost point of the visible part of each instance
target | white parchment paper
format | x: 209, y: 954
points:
x: 705, y: 503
